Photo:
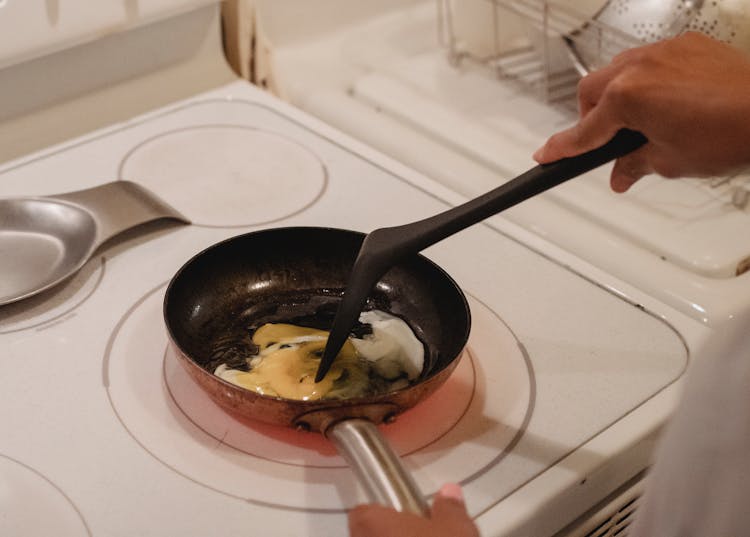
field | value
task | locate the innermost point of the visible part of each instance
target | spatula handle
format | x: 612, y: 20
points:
x: 414, y: 237
x: 385, y: 247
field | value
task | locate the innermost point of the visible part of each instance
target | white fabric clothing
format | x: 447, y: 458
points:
x: 699, y: 485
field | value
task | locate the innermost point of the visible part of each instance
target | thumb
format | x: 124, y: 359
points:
x: 449, y: 509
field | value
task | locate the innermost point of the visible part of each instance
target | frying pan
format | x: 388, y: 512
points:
x: 298, y: 275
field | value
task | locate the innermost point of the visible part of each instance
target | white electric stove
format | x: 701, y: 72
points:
x: 569, y: 373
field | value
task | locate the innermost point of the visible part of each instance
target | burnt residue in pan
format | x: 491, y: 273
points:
x: 297, y: 275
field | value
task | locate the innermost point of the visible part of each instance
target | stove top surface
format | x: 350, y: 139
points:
x: 107, y: 435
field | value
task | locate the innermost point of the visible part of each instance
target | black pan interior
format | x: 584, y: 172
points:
x: 298, y: 275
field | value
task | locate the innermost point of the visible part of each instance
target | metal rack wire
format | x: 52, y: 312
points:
x: 561, y: 45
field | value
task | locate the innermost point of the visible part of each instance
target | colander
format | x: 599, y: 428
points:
x: 623, y: 24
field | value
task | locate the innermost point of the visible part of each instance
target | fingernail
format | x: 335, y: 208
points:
x: 452, y: 491
x: 538, y: 153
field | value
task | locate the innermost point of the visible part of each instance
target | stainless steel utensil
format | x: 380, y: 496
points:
x: 44, y: 240
x: 622, y: 24
x: 384, y: 247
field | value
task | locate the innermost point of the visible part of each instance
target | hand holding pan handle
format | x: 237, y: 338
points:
x: 385, y: 247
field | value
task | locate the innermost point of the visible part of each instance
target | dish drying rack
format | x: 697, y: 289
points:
x: 549, y: 60
x: 557, y: 44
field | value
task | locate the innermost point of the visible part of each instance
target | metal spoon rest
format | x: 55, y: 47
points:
x: 45, y: 240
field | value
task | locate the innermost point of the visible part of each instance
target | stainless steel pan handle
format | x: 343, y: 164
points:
x: 377, y: 467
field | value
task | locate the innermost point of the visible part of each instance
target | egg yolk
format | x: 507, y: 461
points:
x: 288, y: 361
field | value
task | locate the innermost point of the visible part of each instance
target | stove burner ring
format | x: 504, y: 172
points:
x: 55, y: 305
x: 31, y: 504
x: 227, y: 176
x: 285, y: 469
